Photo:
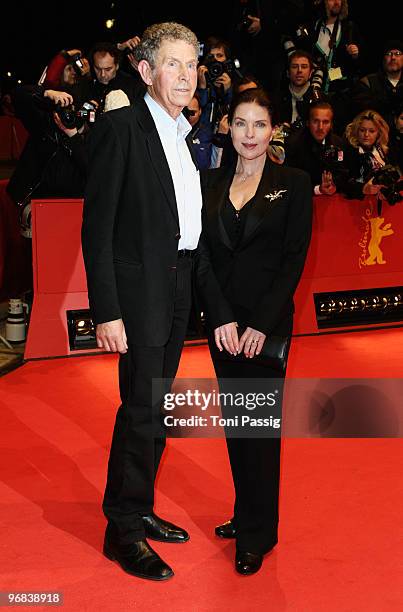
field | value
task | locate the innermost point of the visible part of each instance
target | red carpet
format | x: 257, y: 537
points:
x: 341, y: 535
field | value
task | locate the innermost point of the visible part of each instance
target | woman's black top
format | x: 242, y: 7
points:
x: 234, y: 220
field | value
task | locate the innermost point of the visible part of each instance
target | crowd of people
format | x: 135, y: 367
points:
x: 314, y: 74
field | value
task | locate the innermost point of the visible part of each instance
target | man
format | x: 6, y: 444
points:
x: 257, y: 31
x: 142, y: 220
x: 383, y: 91
x: 54, y: 160
x: 108, y: 76
x: 318, y: 151
x: 215, y: 96
x: 292, y: 101
x: 336, y: 47
x: 201, y: 134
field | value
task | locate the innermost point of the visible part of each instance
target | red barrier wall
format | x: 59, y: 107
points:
x: 352, y: 248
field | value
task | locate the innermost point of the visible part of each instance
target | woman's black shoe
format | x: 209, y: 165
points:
x: 226, y: 530
x: 138, y: 559
x: 247, y: 563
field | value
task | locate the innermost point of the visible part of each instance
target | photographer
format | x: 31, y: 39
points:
x: 396, y: 139
x: 201, y: 134
x: 215, y: 92
x: 293, y: 98
x: 336, y: 47
x: 318, y: 151
x: 383, y: 90
x: 257, y: 30
x: 53, y: 162
x: 366, y: 154
x: 105, y: 59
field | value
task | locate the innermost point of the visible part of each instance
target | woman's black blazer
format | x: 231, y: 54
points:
x: 254, y: 283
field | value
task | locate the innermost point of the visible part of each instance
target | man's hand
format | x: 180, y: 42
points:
x: 131, y: 43
x: 327, y: 186
x: 111, y: 336
x: 226, y: 336
x: 255, y: 27
x: 223, y: 126
x: 224, y: 80
x: 70, y: 132
x: 201, y: 76
x: 251, y: 342
x: 58, y: 97
x: 352, y: 50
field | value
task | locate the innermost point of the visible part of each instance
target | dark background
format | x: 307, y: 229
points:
x: 33, y: 33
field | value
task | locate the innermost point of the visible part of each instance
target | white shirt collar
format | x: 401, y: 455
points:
x: 180, y: 125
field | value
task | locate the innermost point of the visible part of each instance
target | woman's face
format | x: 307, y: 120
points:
x: 251, y: 130
x: 367, y: 134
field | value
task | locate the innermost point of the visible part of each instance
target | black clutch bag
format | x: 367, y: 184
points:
x: 274, y: 353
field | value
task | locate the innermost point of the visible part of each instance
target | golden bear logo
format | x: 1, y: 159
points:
x: 377, y: 234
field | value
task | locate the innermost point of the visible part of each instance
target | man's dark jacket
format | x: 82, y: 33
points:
x: 130, y: 227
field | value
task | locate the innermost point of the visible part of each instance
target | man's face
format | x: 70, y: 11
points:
x: 105, y: 67
x: 300, y: 71
x: 173, y: 81
x: 333, y: 7
x: 393, y: 61
x: 320, y: 123
x: 218, y: 53
x: 399, y: 123
x: 194, y: 106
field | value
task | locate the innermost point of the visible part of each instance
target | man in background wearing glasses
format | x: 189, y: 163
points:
x: 383, y: 90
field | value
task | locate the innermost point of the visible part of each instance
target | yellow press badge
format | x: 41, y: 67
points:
x: 335, y: 74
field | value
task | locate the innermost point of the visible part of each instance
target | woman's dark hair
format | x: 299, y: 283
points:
x: 256, y: 95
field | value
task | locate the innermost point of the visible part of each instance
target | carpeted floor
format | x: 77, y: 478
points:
x: 341, y: 530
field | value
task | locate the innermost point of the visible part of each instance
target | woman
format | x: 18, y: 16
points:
x: 257, y: 224
x: 367, y: 151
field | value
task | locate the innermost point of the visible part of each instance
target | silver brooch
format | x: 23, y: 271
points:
x: 275, y: 194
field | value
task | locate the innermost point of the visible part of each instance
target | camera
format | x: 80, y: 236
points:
x: 391, y: 178
x: 188, y: 113
x: 77, y: 63
x: 73, y: 117
x: 331, y: 156
x: 315, y: 90
x: 215, y: 69
x: 294, y: 42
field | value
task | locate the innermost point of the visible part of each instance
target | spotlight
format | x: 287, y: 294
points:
x: 81, y: 330
x: 109, y: 23
x: 359, y: 307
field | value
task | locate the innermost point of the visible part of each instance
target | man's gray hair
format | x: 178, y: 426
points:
x: 155, y: 35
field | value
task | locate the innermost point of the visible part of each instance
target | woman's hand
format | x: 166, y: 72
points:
x: 251, y: 342
x: 226, y: 336
x: 371, y: 189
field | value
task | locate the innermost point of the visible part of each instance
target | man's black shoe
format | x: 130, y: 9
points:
x: 226, y: 530
x: 247, y: 563
x: 138, y: 559
x: 163, y: 531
